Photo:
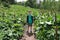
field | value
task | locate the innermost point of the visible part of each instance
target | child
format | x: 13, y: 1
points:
x: 29, y: 21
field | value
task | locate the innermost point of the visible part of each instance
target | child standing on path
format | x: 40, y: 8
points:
x: 29, y: 21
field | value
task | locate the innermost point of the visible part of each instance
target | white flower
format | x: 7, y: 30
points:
x: 38, y: 28
x: 14, y: 39
x: 41, y: 22
x: 10, y: 34
x: 58, y: 32
x: 43, y: 17
x: 36, y: 32
x: 48, y: 22
x: 19, y: 18
x: 18, y: 21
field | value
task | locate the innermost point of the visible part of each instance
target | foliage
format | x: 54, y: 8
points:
x: 14, y: 18
x: 31, y: 3
x: 46, y: 26
x: 46, y: 4
x: 6, y: 3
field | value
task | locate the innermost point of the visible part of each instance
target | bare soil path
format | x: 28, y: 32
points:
x: 26, y: 36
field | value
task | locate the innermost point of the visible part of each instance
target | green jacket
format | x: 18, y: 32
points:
x: 29, y: 19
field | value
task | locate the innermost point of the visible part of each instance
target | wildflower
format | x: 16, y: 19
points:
x: 48, y: 22
x: 41, y: 22
x: 19, y: 18
x: 18, y: 21
x: 43, y: 17
x: 38, y: 28
x: 10, y: 33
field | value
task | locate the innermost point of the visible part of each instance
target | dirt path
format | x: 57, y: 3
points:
x: 26, y: 37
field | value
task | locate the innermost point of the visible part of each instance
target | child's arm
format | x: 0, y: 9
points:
x: 27, y: 19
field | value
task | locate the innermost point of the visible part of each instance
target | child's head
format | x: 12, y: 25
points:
x: 29, y: 11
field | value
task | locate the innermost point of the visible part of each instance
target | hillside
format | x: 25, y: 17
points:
x: 13, y: 19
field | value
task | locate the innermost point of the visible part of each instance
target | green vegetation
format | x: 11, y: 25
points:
x: 13, y: 19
